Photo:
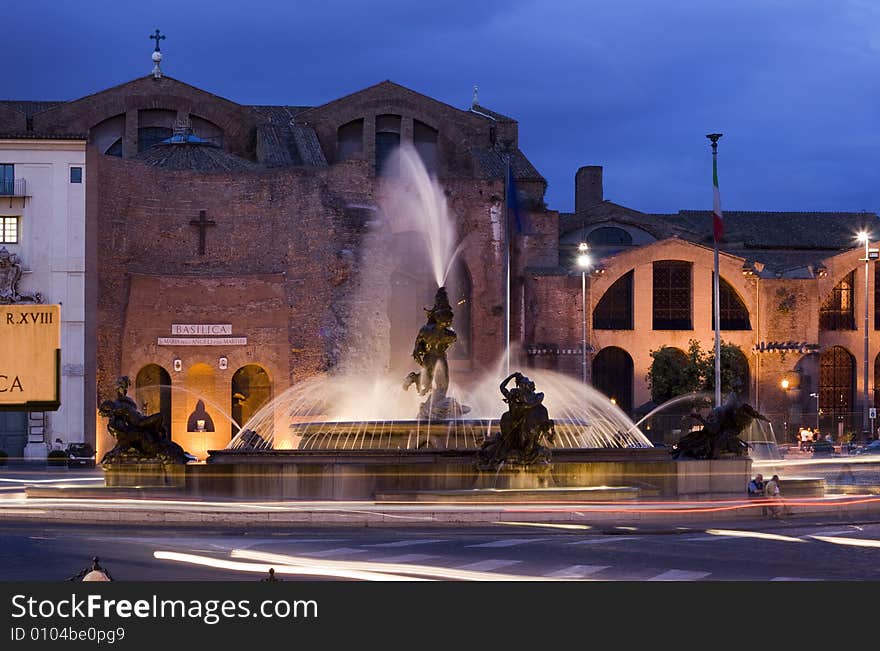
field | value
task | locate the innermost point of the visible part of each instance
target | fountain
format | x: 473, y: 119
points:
x: 358, y: 432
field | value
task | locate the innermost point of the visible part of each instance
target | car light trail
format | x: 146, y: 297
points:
x: 444, y: 573
x: 300, y: 570
x: 855, y: 542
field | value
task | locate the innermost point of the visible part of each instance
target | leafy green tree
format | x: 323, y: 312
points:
x: 674, y: 373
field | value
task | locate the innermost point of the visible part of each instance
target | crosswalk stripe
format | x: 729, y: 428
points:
x: 576, y: 571
x: 338, y: 551
x: 509, y: 542
x: 604, y: 539
x: 406, y: 543
x: 679, y: 575
x: 488, y: 565
x: 403, y: 558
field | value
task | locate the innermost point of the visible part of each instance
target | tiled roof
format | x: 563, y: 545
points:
x: 197, y: 157
x: 789, y: 243
x: 490, y: 164
x: 283, y: 142
x: 763, y: 230
x: 482, y: 110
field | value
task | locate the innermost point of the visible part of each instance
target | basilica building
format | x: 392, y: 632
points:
x: 225, y: 261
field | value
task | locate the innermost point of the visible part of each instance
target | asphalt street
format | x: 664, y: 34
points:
x: 789, y: 551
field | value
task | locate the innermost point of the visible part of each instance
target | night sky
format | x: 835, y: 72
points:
x: 632, y: 85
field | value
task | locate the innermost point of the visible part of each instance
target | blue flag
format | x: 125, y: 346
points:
x: 516, y: 217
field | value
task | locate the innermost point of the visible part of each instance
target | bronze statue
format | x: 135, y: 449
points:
x: 523, y: 426
x: 138, y: 437
x: 719, y: 435
x: 429, y: 351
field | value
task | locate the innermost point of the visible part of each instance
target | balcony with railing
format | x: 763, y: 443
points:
x: 13, y: 188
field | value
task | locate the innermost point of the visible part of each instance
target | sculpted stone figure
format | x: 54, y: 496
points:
x: 523, y: 427
x: 720, y: 433
x: 10, y: 275
x: 138, y: 437
x: 432, y: 342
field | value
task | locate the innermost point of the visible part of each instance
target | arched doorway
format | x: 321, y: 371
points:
x: 613, y: 376
x: 836, y: 386
x: 152, y: 390
x: 251, y: 390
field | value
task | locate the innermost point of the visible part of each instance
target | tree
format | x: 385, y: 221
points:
x: 674, y: 373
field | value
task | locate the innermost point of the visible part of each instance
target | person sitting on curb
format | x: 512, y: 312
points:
x: 756, y: 486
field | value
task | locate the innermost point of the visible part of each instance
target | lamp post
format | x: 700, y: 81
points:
x: 816, y: 396
x: 870, y: 254
x: 785, y: 384
x: 583, y: 261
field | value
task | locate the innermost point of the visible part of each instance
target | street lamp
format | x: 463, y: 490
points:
x: 816, y: 396
x: 870, y: 254
x: 785, y: 384
x: 584, y: 262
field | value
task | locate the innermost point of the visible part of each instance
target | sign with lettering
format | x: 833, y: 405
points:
x: 201, y: 329
x: 202, y: 341
x: 30, y: 357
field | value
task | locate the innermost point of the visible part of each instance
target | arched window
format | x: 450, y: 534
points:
x: 836, y: 382
x: 154, y: 126
x: 734, y: 313
x: 206, y: 130
x: 613, y: 376
x: 836, y: 312
x: 350, y: 140
x: 387, y: 140
x: 425, y: 143
x: 152, y: 390
x: 106, y: 136
x: 609, y: 236
x: 672, y: 307
x: 251, y: 390
x: 615, y: 309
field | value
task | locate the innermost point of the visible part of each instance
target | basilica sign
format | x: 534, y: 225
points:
x: 30, y: 357
x: 178, y: 329
x: 202, y: 334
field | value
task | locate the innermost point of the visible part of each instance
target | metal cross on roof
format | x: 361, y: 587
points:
x: 156, y: 37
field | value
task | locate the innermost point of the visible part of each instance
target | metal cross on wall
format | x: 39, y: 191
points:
x: 157, y: 38
x: 202, y: 223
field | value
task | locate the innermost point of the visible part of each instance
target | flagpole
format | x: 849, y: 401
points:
x: 508, y: 244
x: 716, y: 283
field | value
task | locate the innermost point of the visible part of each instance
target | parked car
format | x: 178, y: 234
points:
x: 190, y: 457
x: 871, y: 448
x: 80, y: 455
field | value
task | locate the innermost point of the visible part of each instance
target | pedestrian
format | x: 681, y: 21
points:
x: 756, y: 486
x: 806, y: 437
x: 771, y: 493
x: 58, y: 445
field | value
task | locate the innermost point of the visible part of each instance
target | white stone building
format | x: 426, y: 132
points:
x: 42, y: 228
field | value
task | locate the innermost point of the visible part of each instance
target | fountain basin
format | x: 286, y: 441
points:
x: 368, y: 474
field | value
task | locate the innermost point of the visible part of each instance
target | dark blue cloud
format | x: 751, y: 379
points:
x: 632, y: 85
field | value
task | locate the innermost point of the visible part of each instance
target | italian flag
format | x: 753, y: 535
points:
x: 717, y: 217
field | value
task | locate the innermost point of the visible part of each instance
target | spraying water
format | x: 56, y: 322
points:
x: 360, y: 405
